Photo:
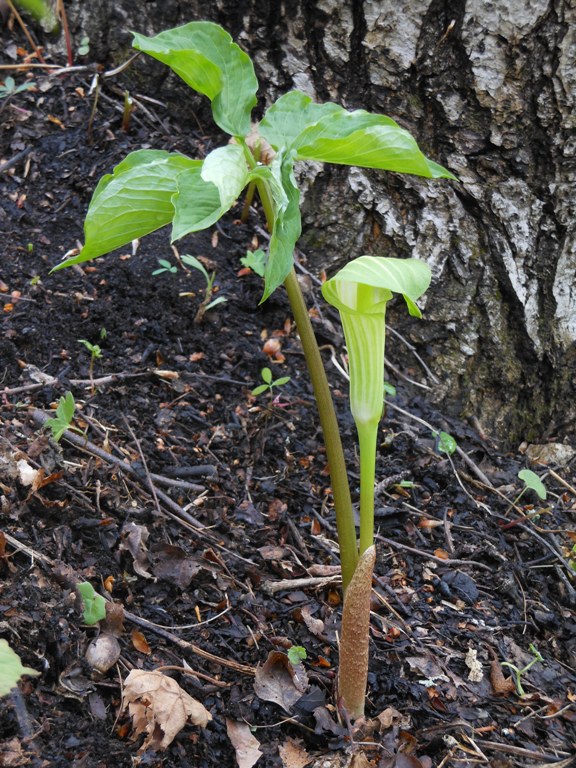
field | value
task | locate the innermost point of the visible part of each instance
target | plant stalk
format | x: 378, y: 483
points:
x: 328, y: 421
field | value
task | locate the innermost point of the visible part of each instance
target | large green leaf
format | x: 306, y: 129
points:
x: 287, y: 224
x: 205, y: 57
x: 11, y: 668
x: 206, y: 192
x: 368, y: 140
x: 132, y: 201
x: 289, y: 116
x: 362, y: 286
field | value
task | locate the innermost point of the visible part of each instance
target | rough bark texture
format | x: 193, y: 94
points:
x: 489, y: 90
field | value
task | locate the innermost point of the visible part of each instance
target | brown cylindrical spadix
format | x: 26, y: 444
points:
x: 355, y: 637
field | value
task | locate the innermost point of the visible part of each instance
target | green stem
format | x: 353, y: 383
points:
x: 328, y: 421
x: 367, y: 438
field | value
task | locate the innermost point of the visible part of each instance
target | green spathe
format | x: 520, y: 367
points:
x: 360, y: 291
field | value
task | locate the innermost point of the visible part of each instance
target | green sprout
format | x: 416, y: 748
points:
x: 256, y: 261
x: 95, y: 354
x: 519, y: 672
x: 207, y: 302
x: 93, y: 604
x: 150, y: 189
x: 531, y: 482
x: 63, y: 419
x: 296, y: 655
x: 165, y: 266
x: 84, y: 47
x: 444, y: 443
x: 269, y: 383
x: 9, y: 88
x: 11, y: 669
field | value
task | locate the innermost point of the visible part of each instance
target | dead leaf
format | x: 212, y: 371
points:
x: 244, y: 742
x: 139, y: 642
x: 172, y: 564
x: 133, y: 539
x: 293, y: 754
x: 159, y: 708
x: 279, y: 681
x: 315, y: 626
x: 476, y: 674
x: 389, y: 717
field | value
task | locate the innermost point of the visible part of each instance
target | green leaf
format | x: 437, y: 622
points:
x: 260, y: 388
x: 289, y: 116
x: 256, y: 261
x: 532, y: 481
x: 389, y: 389
x: 287, y: 224
x: 348, y: 289
x: 445, y: 443
x: 192, y: 261
x: 206, y: 58
x: 64, y: 415
x: 296, y: 655
x: 367, y: 140
x: 281, y: 381
x: 133, y: 201
x: 94, y: 604
x: 266, y: 374
x: 206, y: 192
x: 216, y: 301
x: 11, y: 668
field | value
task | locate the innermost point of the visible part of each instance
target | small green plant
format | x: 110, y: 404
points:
x: 269, y: 382
x: 93, y: 604
x: 152, y: 188
x: 11, y: 669
x: 256, y: 261
x: 207, y: 302
x: 519, y: 672
x: 444, y: 443
x: 9, y: 87
x: 296, y: 655
x: 531, y: 482
x: 95, y: 354
x: 63, y: 419
x: 165, y: 266
x: 84, y: 46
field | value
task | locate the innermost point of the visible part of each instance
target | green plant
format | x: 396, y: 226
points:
x: 444, y: 443
x: 11, y: 669
x: 40, y: 11
x: 207, y: 302
x: 269, y: 383
x: 63, y: 419
x: 93, y: 604
x: 519, y: 672
x: 9, y: 87
x: 296, y: 655
x: 153, y: 188
x: 165, y: 266
x: 256, y: 261
x: 531, y: 481
x: 84, y: 46
x: 95, y: 354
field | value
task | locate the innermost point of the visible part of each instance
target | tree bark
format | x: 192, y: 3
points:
x: 489, y: 90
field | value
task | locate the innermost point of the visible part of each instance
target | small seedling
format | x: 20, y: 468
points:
x: 84, y: 47
x: 93, y: 604
x: 256, y: 261
x: 165, y: 266
x: 519, y: 672
x: 11, y: 669
x: 9, y: 88
x: 207, y: 302
x: 444, y: 443
x: 296, y: 655
x: 63, y: 419
x: 531, y: 481
x: 269, y: 383
x: 95, y: 354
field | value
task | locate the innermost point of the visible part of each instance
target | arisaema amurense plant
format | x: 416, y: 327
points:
x: 152, y: 188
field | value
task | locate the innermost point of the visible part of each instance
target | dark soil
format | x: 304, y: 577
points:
x: 460, y: 572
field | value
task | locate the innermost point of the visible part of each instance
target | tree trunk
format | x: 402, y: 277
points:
x: 489, y: 90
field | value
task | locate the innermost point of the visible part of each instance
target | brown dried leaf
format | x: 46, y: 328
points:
x: 172, y: 564
x: 244, y: 742
x: 159, y: 708
x: 293, y: 754
x: 279, y: 681
x: 315, y: 626
x: 133, y: 540
x: 139, y: 642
